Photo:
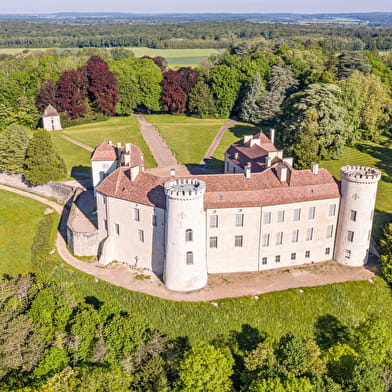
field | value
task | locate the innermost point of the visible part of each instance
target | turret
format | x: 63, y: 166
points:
x: 185, y: 267
x: 358, y: 189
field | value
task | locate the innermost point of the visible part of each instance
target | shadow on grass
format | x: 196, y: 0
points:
x: 329, y: 331
x: 241, y: 130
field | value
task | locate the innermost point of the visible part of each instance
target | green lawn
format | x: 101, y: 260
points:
x: 76, y: 158
x: 19, y: 217
x: 233, y: 134
x: 181, y: 118
x: 189, y: 143
x: 117, y: 129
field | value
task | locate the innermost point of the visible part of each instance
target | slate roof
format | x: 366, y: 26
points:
x: 50, y: 111
x: 228, y: 190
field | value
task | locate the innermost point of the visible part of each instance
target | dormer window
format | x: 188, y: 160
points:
x: 236, y: 155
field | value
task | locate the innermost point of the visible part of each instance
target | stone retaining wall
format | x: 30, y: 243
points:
x: 55, y: 190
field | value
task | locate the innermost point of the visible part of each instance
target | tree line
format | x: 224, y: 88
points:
x: 196, y: 34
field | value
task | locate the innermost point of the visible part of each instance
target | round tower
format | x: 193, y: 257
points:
x: 185, y: 267
x: 358, y: 189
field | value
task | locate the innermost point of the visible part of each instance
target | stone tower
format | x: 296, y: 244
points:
x: 358, y: 189
x: 185, y: 266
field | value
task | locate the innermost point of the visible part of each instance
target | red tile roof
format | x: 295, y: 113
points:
x: 228, y: 190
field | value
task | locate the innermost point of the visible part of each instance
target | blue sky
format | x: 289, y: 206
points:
x: 155, y: 6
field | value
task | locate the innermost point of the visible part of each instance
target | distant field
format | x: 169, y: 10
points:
x: 19, y: 218
x: 117, y: 129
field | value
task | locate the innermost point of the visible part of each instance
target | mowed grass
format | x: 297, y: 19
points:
x: 181, y: 119
x: 189, y: 143
x: 19, y: 218
x: 117, y: 129
x: 76, y: 158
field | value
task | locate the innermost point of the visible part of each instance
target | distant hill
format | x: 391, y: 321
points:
x: 380, y: 19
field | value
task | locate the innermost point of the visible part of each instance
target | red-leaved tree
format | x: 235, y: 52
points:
x: 71, y: 92
x: 159, y: 61
x: 46, y: 95
x: 174, y: 98
x: 102, y: 86
x: 188, y: 78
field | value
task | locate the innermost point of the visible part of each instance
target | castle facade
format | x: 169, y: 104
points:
x: 260, y: 214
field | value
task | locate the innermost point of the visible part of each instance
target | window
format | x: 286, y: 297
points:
x: 280, y: 216
x: 264, y: 260
x: 327, y: 251
x: 140, y: 235
x: 265, y: 240
x: 332, y: 210
x: 309, y: 234
x: 117, y: 228
x: 104, y: 200
x: 297, y: 215
x: 353, y: 215
x: 267, y: 218
x: 311, y: 212
x: 213, y: 242
x: 136, y: 214
x: 277, y: 259
x: 238, y: 241
x: 347, y: 253
x: 188, y: 235
x: 307, y: 254
x: 279, y: 238
x: 154, y: 220
x: 213, y: 220
x: 350, y: 236
x: 293, y: 256
x: 294, y: 235
x: 239, y: 220
x: 329, y: 231
x: 189, y: 258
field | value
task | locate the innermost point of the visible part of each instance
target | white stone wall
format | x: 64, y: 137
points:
x: 51, y: 123
x: 122, y: 241
x: 101, y: 169
x: 185, y: 211
x: 230, y: 258
x: 356, y: 217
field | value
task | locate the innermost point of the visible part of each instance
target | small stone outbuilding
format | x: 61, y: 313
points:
x: 51, y: 119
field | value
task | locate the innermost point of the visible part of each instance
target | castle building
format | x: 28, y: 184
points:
x: 51, y: 119
x: 260, y: 216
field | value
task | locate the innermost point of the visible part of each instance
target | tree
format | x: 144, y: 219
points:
x: 348, y: 62
x: 174, y: 98
x: 188, y: 78
x: 201, y: 101
x: 102, y: 86
x: 121, y: 53
x: 291, y: 384
x: 42, y: 163
x: 205, y: 368
x: 290, y: 353
x: 386, y: 253
x: 13, y: 144
x: 314, y: 117
x: 366, y: 377
x: 46, y: 95
x: 159, y: 62
x: 250, y: 105
x: 281, y: 83
x: 71, y: 92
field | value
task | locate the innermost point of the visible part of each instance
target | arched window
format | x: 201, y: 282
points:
x: 188, y: 235
x: 189, y: 258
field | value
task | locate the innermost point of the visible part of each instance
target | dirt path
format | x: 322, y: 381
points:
x: 85, y: 146
x: 217, y: 140
x: 219, y: 285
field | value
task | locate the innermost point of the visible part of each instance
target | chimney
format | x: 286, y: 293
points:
x: 134, y: 171
x: 282, y: 173
x: 272, y: 135
x: 247, y: 138
x: 127, y: 159
x: 255, y: 141
x: 172, y: 172
x: 128, y: 148
x: 314, y: 166
x: 236, y: 155
x: 110, y: 143
x: 289, y: 161
x: 118, y: 144
x: 248, y: 170
x: 119, y: 151
x: 268, y: 161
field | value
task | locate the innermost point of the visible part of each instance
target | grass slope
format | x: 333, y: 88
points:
x: 181, y: 119
x: 189, y: 143
x: 19, y: 218
x: 117, y: 129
